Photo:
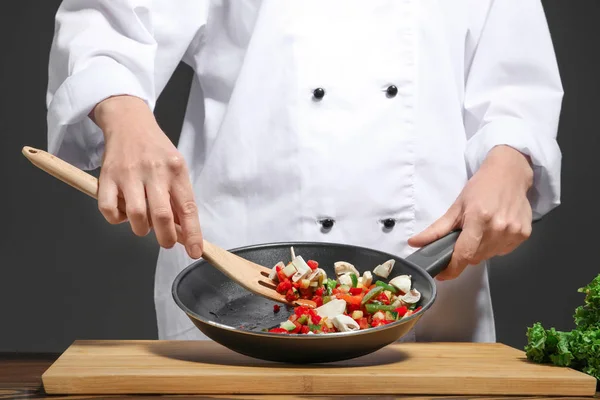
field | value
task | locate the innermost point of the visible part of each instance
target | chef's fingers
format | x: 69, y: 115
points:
x: 161, y: 213
x: 108, y: 193
x: 441, y: 227
x: 465, y: 248
x: 516, y: 233
x: 135, y: 206
x: 182, y: 197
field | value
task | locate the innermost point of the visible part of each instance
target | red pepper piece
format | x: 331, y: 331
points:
x: 281, y: 276
x: 304, y: 329
x: 314, y: 316
x: 312, y: 264
x: 278, y: 330
x: 417, y: 309
x: 363, y: 323
x: 296, y: 285
x: 319, y: 291
x: 383, y: 298
x: 354, y: 291
x: 401, y: 310
x: 318, y: 300
x: 284, y: 286
x: 291, y: 295
x: 276, y: 308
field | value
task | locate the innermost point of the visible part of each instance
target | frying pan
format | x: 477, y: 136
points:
x: 234, y: 317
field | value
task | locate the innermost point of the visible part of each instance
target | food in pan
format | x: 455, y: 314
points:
x: 350, y: 302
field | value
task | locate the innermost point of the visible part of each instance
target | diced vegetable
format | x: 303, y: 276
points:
x: 289, y: 270
x: 402, y: 283
x: 273, y: 274
x: 342, y: 267
x: 312, y: 264
x: 288, y: 325
x: 384, y: 269
x: 345, y: 304
x: 387, y: 287
x: 379, y: 315
x: 373, y: 292
x: 300, y: 264
x: 332, y: 308
x: 373, y: 308
x: 354, y: 279
x: 357, y: 314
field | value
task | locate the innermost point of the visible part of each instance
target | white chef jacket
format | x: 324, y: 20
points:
x: 269, y: 160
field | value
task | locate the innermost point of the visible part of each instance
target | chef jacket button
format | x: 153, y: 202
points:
x: 318, y: 93
x: 327, y: 223
x: 389, y: 223
x: 391, y: 91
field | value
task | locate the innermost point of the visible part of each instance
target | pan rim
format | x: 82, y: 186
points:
x: 181, y: 275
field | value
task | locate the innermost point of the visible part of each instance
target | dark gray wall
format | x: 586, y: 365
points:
x: 66, y: 274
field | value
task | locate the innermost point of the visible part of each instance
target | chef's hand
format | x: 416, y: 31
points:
x: 141, y: 162
x: 492, y: 210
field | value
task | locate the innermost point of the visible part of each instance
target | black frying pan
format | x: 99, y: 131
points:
x: 235, y: 317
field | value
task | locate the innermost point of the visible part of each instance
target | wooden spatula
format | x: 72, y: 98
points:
x: 251, y: 276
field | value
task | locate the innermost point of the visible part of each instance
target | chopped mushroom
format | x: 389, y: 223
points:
x: 367, y: 279
x: 300, y: 275
x: 384, y: 269
x: 342, y: 267
x: 300, y: 264
x: 402, y: 283
x: 333, y: 308
x: 345, y: 279
x: 292, y: 252
x: 314, y: 275
x: 344, y: 323
x: 411, y: 297
x: 273, y: 273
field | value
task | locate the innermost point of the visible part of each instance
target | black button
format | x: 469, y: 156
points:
x: 327, y: 223
x: 389, y: 223
x: 392, y: 91
x: 319, y: 93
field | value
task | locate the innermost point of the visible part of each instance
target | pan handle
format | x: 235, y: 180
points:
x: 435, y: 256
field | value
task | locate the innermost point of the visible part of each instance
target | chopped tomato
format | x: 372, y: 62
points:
x: 278, y: 330
x: 296, y: 285
x: 312, y: 264
x: 276, y: 308
x: 319, y: 291
x: 377, y: 322
x: 304, y: 329
x: 355, y: 291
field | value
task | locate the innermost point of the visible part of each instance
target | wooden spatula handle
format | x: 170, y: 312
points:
x: 73, y: 176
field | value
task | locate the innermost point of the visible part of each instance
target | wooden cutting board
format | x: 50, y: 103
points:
x: 205, y: 367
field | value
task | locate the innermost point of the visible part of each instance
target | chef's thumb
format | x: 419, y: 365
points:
x: 441, y: 227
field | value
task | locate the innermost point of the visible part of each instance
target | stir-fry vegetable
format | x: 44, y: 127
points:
x: 350, y: 302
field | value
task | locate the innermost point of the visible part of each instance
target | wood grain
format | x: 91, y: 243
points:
x: 205, y: 367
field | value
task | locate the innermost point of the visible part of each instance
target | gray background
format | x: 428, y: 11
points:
x: 66, y: 274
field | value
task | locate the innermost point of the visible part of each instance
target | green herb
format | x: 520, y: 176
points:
x: 579, y: 348
x: 331, y: 284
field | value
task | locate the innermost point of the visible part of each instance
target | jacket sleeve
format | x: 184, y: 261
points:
x: 103, y: 48
x: 513, y: 95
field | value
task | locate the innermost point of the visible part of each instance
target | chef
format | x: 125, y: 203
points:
x: 382, y: 123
